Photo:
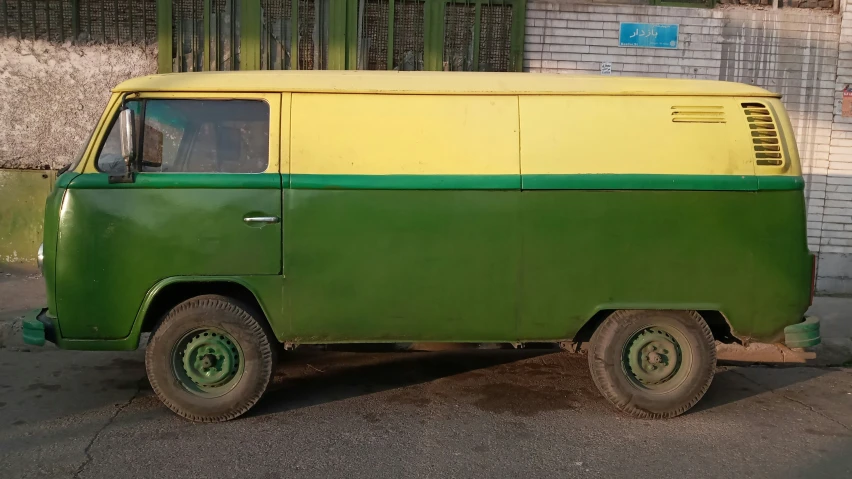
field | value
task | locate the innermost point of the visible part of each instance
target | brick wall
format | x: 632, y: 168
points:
x: 791, y: 51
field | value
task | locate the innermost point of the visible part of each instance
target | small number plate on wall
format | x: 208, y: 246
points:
x: 647, y: 35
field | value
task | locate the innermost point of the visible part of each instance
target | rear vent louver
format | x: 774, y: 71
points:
x: 764, y: 135
x: 698, y: 114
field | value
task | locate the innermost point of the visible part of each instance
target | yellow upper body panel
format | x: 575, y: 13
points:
x: 432, y: 83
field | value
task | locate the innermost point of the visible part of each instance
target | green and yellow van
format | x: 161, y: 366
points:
x: 228, y: 212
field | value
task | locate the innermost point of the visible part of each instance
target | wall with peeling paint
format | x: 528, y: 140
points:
x: 52, y: 94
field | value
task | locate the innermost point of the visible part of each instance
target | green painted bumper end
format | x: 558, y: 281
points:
x: 804, y: 334
x: 38, y: 328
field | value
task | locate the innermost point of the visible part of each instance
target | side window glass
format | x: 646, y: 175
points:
x: 206, y: 136
x: 165, y: 127
x: 109, y: 157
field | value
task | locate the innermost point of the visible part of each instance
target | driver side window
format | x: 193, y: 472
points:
x: 194, y: 136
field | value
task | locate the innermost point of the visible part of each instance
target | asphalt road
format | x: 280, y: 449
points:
x: 496, y: 413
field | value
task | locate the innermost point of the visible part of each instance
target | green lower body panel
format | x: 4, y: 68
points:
x: 367, y: 265
x: 741, y: 253
x: 803, y: 335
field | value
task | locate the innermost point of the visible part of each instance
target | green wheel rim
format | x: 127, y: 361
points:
x: 208, y: 362
x: 657, y: 358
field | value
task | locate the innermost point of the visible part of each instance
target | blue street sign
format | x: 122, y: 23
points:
x: 647, y: 35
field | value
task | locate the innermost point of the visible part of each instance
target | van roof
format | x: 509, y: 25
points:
x: 454, y: 83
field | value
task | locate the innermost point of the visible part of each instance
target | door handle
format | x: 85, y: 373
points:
x: 262, y: 219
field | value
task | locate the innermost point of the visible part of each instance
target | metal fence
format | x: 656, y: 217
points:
x: 102, y: 21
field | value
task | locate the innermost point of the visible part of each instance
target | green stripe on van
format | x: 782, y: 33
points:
x: 447, y: 182
x: 547, y: 182
x: 662, y: 182
x: 405, y: 182
x: 249, y: 181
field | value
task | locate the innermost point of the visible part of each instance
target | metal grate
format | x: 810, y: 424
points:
x: 276, y: 35
x: 764, y: 135
x: 459, y: 21
x: 408, y: 36
x: 105, y: 21
x: 495, y: 38
x: 373, y: 49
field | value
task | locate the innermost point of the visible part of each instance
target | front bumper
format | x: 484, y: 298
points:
x: 804, y: 334
x: 38, y: 327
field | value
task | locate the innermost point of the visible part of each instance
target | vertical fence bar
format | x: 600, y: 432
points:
x: 337, y: 35
x: 179, y: 33
x: 477, y: 35
x: 352, y: 34
x: 117, y: 32
x: 164, y: 36
x: 33, y: 18
x: 103, y: 21
x: 5, y: 18
x: 250, y: 35
x: 516, y: 43
x: 20, y: 22
x: 233, y: 34
x: 61, y: 22
x: 206, y: 20
x: 193, y: 47
x: 218, y: 58
x: 434, y: 35
x: 144, y: 22
x: 294, y: 35
x: 130, y: 17
x: 47, y: 17
x: 390, y: 33
x: 75, y: 20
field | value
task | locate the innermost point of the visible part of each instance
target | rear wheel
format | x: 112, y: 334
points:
x: 210, y: 359
x: 653, y: 364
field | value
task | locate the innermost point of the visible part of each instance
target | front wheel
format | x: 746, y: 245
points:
x: 210, y: 359
x: 653, y: 364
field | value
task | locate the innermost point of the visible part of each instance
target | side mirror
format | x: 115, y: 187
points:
x: 128, y: 145
x: 125, y: 120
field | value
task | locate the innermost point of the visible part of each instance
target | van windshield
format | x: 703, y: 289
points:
x: 79, y: 156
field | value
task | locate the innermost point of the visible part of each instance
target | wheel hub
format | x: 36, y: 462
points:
x: 653, y: 356
x: 209, y: 359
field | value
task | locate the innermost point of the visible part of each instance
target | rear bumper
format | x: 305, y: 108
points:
x: 38, y: 327
x: 804, y: 334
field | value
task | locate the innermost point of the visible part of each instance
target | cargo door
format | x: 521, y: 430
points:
x: 401, y: 219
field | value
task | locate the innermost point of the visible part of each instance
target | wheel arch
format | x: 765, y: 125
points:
x: 713, y: 316
x: 170, y: 292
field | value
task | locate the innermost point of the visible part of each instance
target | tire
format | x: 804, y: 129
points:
x: 635, y: 368
x: 210, y: 359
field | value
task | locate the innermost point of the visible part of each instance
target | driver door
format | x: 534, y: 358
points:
x: 207, y: 170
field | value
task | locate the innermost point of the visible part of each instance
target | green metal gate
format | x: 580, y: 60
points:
x: 484, y: 35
